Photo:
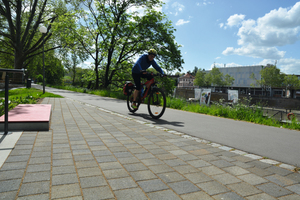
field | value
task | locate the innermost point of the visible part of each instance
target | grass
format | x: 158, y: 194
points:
x: 23, y: 96
x: 239, y: 111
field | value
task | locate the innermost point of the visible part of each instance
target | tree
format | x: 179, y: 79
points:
x: 291, y: 82
x: 270, y: 77
x: 216, y: 77
x: 113, y: 37
x: 19, y: 35
x: 194, y: 72
x: 228, y: 80
x: 200, y: 78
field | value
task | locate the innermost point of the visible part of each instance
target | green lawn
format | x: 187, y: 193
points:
x: 23, y: 96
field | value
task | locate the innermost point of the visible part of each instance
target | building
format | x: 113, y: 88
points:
x: 186, y: 82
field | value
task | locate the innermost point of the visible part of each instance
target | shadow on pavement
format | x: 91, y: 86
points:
x: 157, y: 121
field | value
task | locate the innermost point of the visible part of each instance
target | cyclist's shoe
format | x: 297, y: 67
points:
x: 134, y: 106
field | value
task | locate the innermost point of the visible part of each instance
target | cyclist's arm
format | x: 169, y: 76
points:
x: 155, y: 65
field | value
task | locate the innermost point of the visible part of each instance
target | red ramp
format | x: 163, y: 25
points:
x: 28, y: 117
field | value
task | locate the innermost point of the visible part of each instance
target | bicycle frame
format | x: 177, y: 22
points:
x: 152, y: 81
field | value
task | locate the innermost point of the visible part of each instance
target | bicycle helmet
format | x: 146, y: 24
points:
x: 152, y: 51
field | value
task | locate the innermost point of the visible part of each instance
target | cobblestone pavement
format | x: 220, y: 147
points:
x: 93, y: 154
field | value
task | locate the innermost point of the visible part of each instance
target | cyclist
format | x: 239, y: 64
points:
x: 138, y: 72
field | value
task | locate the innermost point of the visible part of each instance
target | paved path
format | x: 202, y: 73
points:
x: 278, y: 144
x: 90, y: 153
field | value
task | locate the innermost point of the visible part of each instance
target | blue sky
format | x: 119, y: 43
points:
x: 237, y: 32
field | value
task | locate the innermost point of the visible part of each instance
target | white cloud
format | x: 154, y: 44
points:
x: 217, y: 58
x: 286, y: 65
x: 260, y: 38
x: 181, y: 22
x: 235, y: 20
x: 178, y: 7
x: 256, y: 52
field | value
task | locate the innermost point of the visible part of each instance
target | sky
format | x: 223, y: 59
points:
x: 229, y: 33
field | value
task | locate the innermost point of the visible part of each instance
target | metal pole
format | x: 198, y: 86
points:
x: 6, y: 105
x: 43, y: 67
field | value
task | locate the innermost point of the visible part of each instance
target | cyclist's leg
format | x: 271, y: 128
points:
x: 137, y: 81
x: 148, y: 76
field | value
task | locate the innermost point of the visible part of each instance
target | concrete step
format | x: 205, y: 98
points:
x: 28, y: 117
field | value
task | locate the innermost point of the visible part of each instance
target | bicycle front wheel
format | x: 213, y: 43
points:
x: 157, y: 103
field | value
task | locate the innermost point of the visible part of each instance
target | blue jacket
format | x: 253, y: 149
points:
x: 143, y: 63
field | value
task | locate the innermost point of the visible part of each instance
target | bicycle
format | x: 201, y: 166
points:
x: 156, y: 98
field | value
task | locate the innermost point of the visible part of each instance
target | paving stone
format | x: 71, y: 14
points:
x: 153, y: 161
x: 86, y: 164
x: 198, y: 177
x: 122, y: 183
x: 211, y: 170
x: 41, y: 154
x: 236, y: 171
x: 170, y: 177
x: 95, y: 181
x: 259, y: 164
x: 10, y: 185
x: 142, y: 175
x: 35, y: 197
x: 185, y: 169
x: 290, y: 197
x: 209, y: 157
x: 294, y: 188
x: 84, y: 172
x: 144, y: 155
x: 13, y: 174
x: 38, y: 176
x: 97, y: 193
x: 184, y: 187
x: 262, y: 196
x: 83, y: 157
x: 58, y: 156
x: 252, y: 179
x: 280, y: 180
x: 135, y: 167
x: 34, y: 188
x: 213, y: 187
x: 188, y: 157
x: 131, y: 194
x: 243, y: 159
x: 260, y: 172
x: 63, y: 162
x: 160, y: 168
x: 63, y: 170
x: 153, y: 185
x: 115, y: 173
x: 199, y: 163
x: 14, y: 166
x: 102, y: 153
x: 244, y: 189
x: 229, y: 195
x: 64, y: 179
x: 63, y: 191
x: 8, y: 195
x: 166, y: 195
x: 294, y: 176
x: 279, y: 170
x: 273, y: 190
x: 130, y: 160
x: 104, y: 159
x: 174, y: 162
x: 200, y: 152
x: 167, y: 156
x: 221, y: 163
x: 226, y: 179
x: 196, y: 196
x: 22, y: 158
x: 242, y: 164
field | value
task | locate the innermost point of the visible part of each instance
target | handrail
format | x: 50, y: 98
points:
x: 6, y: 94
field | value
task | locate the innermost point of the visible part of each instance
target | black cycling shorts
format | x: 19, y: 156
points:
x: 137, y: 79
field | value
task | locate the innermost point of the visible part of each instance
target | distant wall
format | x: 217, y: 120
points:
x: 276, y: 102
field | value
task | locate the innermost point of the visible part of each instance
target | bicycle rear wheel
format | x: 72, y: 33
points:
x: 156, y: 103
x: 130, y: 101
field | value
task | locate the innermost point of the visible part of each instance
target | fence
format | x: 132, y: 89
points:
x: 282, y: 115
